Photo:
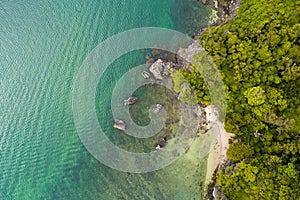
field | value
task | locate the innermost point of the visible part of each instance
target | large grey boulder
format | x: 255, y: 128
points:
x: 157, y: 69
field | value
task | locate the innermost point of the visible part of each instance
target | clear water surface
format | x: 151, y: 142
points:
x: 42, y: 45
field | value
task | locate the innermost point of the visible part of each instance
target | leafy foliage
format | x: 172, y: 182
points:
x: 258, y: 54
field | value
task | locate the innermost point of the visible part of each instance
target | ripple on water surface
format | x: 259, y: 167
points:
x: 43, y: 44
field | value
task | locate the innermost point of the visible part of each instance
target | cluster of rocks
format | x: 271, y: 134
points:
x: 203, y: 125
x: 226, y: 10
x: 159, y: 69
x: 120, y: 124
x: 215, y: 2
x: 157, y: 108
x: 213, y: 192
x: 207, y: 116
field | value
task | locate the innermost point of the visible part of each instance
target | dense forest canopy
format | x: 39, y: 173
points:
x: 258, y: 54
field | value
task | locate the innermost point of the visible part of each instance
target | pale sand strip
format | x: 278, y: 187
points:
x: 218, y: 153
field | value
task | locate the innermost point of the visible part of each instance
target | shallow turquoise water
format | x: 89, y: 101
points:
x: 42, y: 46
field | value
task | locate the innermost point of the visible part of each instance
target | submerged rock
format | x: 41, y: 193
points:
x: 131, y: 100
x: 120, y: 124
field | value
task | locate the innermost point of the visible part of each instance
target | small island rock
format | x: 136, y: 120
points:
x: 157, y: 69
x: 131, y: 100
x: 120, y: 124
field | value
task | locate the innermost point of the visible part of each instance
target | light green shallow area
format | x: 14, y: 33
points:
x: 42, y: 46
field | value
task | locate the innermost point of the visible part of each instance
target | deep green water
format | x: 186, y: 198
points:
x: 42, y: 46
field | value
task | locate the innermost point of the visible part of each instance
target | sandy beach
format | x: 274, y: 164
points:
x: 218, y: 153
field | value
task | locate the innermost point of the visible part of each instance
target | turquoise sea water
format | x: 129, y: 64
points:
x: 42, y: 45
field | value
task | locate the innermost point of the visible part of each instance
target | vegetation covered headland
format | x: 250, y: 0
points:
x: 258, y: 56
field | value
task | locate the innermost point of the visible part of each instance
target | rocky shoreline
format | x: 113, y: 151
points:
x: 226, y: 11
x: 161, y: 70
x: 207, y: 115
